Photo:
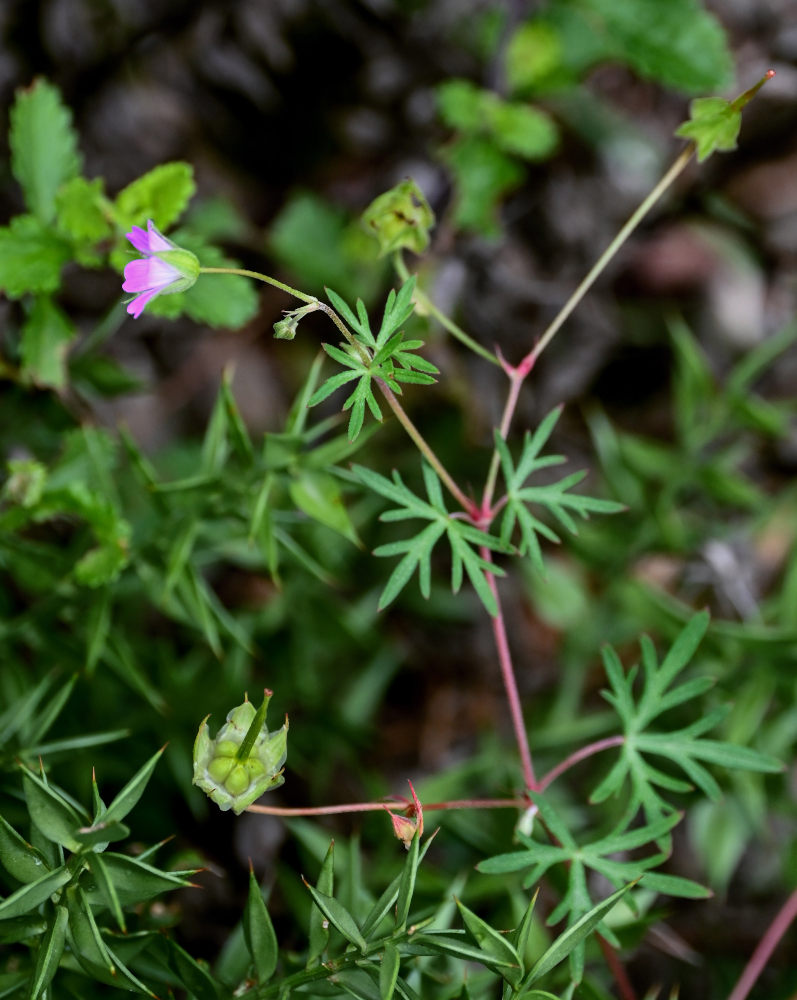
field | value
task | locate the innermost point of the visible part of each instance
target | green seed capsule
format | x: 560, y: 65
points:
x: 254, y: 768
x: 219, y: 768
x: 226, y: 748
x: 237, y: 781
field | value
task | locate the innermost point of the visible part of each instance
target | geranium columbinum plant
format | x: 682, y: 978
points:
x: 164, y: 269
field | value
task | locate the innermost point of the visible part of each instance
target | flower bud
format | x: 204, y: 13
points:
x: 405, y: 827
x: 285, y: 329
x: 243, y: 761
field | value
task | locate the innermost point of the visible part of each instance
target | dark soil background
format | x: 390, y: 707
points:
x: 266, y: 97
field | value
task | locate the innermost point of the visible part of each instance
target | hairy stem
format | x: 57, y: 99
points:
x: 575, y: 758
x: 510, y: 683
x: 425, y: 449
x: 783, y: 920
x: 600, y: 264
x: 516, y: 381
x: 260, y: 277
x: 617, y: 969
x: 518, y: 375
x: 310, y: 299
x: 355, y: 807
x: 426, y: 303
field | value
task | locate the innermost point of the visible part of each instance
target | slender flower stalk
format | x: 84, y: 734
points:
x: 518, y: 373
x: 600, y: 264
x: 259, y: 277
x: 768, y: 943
x: 418, y: 439
x: 426, y: 450
x: 427, y: 304
x: 575, y: 758
x: 398, y: 806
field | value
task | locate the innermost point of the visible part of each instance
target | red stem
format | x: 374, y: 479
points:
x: 577, y: 756
x: 766, y: 946
x: 617, y: 969
x: 352, y: 807
x: 510, y: 684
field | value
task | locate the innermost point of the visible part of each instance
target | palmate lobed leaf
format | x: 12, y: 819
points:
x: 600, y: 855
x: 553, y: 497
x: 684, y: 747
x: 464, y: 539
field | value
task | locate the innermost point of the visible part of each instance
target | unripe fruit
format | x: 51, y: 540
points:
x: 219, y: 768
x: 237, y: 780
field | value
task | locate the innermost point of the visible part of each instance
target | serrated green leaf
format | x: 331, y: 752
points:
x: 82, y: 210
x: 261, y: 941
x: 43, y: 143
x: 46, y: 335
x: 533, y: 55
x: 678, y: 43
x: 483, y: 175
x: 161, y: 194
x: 31, y: 257
x: 524, y: 130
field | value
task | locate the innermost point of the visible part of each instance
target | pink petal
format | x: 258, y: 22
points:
x: 157, y: 241
x: 149, y: 240
x: 148, y: 272
x: 136, y: 307
x: 140, y: 239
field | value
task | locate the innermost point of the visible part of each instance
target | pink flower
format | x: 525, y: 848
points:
x: 164, y: 269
